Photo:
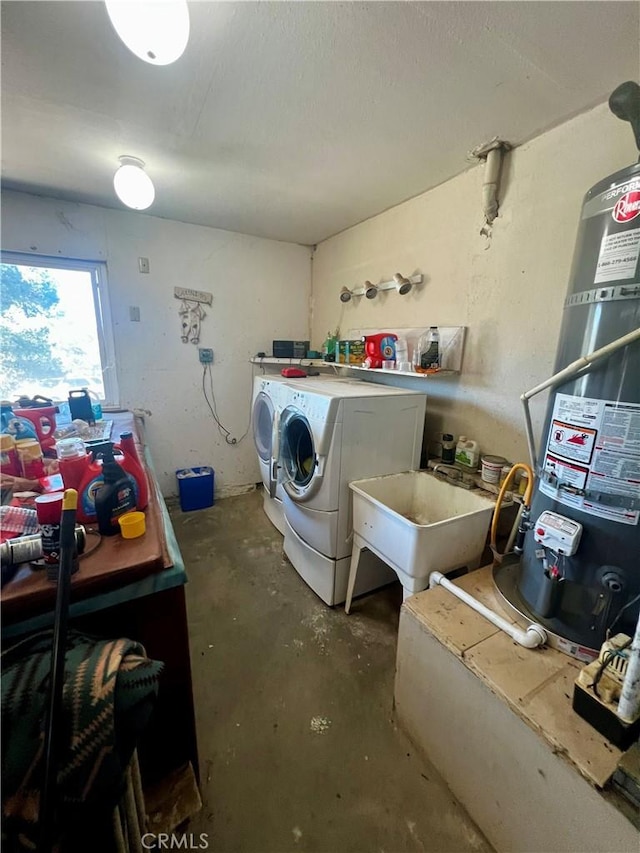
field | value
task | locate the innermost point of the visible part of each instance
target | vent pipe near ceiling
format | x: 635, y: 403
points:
x: 492, y: 153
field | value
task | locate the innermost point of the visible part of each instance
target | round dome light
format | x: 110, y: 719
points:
x: 157, y: 32
x: 132, y: 184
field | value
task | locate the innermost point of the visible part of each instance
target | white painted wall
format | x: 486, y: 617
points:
x: 260, y: 292
x: 509, y: 293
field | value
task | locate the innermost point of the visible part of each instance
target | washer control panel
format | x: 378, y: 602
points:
x: 558, y: 533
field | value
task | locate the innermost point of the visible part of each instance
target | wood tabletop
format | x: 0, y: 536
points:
x: 110, y: 562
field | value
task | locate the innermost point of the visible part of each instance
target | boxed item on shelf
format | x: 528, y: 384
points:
x: 290, y: 349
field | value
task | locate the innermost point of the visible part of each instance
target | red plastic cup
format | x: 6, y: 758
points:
x: 49, y: 508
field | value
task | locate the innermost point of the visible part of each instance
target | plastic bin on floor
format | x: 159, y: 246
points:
x: 195, y: 486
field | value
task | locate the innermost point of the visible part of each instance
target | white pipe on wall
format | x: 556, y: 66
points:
x: 529, y: 638
x: 629, y: 704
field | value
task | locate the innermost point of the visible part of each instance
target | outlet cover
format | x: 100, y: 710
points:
x: 143, y: 264
x: 134, y: 313
x: 205, y: 355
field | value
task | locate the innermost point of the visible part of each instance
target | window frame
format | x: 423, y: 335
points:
x: 101, y: 304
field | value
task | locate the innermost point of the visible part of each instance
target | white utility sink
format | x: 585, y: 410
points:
x: 418, y: 524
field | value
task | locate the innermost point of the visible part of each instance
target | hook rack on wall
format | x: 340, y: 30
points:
x: 399, y: 283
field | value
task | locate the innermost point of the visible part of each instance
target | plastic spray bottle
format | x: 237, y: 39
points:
x: 116, y: 496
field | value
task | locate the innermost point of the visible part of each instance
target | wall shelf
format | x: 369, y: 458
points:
x: 451, y: 343
x: 294, y: 362
x: 451, y: 347
x: 379, y: 370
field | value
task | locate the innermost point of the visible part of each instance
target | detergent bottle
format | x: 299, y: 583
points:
x: 40, y: 416
x: 6, y: 413
x: 380, y: 347
x: 116, y: 496
x: 20, y: 428
x: 90, y: 484
x: 130, y: 461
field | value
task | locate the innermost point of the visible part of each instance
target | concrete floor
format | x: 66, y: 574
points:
x: 294, y: 705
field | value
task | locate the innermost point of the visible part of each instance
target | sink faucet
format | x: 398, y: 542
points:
x: 448, y: 471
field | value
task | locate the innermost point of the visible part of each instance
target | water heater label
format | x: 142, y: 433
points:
x: 592, y: 458
x: 618, y: 256
x: 571, y: 442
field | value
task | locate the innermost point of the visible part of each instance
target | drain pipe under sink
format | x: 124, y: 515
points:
x: 530, y: 638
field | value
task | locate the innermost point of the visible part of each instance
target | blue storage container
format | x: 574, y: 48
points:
x: 195, y: 486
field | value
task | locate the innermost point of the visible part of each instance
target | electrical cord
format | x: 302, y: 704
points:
x: 224, y: 432
x: 620, y: 612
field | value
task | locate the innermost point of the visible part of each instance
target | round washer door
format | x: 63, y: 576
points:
x: 298, y: 458
x: 262, y: 419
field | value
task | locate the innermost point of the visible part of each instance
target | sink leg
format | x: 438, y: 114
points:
x: 353, y: 571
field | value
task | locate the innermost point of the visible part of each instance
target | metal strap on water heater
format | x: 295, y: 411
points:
x: 603, y: 498
x: 602, y: 294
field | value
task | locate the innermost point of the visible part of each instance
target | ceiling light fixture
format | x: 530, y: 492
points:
x: 132, y: 184
x: 156, y: 32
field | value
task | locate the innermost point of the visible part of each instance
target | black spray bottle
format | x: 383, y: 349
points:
x: 117, y: 494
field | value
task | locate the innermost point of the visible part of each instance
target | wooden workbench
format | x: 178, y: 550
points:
x: 127, y: 588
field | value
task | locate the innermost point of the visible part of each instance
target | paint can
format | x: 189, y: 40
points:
x: 492, y: 468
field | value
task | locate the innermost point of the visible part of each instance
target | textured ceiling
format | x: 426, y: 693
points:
x: 295, y: 120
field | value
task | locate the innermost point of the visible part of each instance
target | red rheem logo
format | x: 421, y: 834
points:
x: 627, y: 207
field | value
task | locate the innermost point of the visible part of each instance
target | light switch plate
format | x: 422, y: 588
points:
x: 143, y: 264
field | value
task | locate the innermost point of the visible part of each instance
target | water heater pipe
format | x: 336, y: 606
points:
x: 531, y: 638
x: 526, y: 502
x: 567, y: 373
x: 629, y: 704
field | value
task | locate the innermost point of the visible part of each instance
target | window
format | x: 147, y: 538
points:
x: 55, y: 329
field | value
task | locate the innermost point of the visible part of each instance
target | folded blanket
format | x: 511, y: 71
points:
x: 109, y: 690
x: 17, y: 521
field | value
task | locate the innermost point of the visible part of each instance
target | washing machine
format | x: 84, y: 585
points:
x: 328, y: 436
x: 267, y: 404
x: 265, y: 414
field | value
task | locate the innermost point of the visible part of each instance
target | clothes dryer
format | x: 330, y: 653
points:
x: 267, y: 404
x: 265, y: 414
x: 330, y: 435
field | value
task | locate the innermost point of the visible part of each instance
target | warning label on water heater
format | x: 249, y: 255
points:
x: 592, y: 458
x: 618, y: 256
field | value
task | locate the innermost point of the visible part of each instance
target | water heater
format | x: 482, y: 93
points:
x: 579, y: 572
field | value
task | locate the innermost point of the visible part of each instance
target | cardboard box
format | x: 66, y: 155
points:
x: 355, y: 352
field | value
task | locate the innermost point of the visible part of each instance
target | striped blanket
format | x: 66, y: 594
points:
x: 110, y: 688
